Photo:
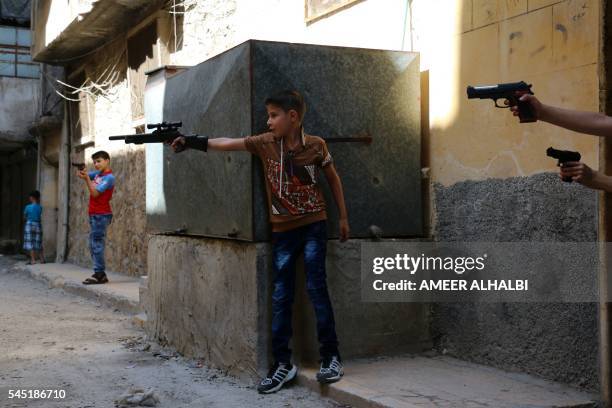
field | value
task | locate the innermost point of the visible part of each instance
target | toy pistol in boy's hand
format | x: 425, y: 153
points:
x: 165, y: 132
x: 563, y: 156
x: 80, y: 166
x: 511, y: 92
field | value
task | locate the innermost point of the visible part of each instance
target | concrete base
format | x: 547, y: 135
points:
x: 419, y: 381
x: 210, y: 298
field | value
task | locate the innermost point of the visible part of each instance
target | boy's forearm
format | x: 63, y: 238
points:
x: 226, y: 144
x: 91, y: 187
x: 592, y: 123
x: 338, y: 192
x: 600, y: 181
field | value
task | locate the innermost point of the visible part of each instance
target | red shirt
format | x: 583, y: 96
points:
x: 104, y: 183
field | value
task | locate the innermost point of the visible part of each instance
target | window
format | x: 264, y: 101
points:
x: 316, y: 9
x: 15, y: 59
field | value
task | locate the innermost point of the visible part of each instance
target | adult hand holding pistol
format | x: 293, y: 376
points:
x: 592, y: 123
x: 519, y: 97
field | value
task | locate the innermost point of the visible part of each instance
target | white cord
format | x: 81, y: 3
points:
x: 280, y: 177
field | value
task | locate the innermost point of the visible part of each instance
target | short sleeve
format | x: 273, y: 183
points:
x: 254, y: 144
x: 92, y: 174
x: 326, y: 157
x: 107, y: 182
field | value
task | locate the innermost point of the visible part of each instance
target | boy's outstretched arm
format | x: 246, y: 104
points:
x: 336, y: 187
x: 218, y: 143
x: 592, y: 123
x: 583, y: 174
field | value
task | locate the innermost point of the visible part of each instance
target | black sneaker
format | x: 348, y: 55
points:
x: 278, y: 375
x: 330, y: 371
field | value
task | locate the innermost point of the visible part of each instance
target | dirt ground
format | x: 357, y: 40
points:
x: 53, y: 340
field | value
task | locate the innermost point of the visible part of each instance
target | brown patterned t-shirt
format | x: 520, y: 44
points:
x: 294, y: 197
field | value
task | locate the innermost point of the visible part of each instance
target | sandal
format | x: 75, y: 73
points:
x: 96, y: 280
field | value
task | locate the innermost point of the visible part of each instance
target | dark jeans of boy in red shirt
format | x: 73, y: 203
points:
x: 97, y: 235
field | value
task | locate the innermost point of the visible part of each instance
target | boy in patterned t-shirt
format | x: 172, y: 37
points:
x: 291, y: 161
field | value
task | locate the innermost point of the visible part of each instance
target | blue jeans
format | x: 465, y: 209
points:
x: 312, y: 240
x: 98, y: 224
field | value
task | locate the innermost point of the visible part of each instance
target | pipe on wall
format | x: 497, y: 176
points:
x: 64, y: 188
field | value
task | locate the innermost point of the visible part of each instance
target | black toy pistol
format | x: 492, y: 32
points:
x: 511, y: 92
x: 563, y: 156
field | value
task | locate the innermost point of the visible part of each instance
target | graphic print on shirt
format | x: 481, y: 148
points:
x: 299, y: 193
x: 104, y: 183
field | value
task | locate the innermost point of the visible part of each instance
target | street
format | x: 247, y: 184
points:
x: 52, y: 340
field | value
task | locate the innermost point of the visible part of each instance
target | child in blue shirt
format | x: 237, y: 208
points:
x: 32, y: 237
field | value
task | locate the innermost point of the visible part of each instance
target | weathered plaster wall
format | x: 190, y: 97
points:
x: 48, y: 200
x: 558, y: 341
x: 208, y: 298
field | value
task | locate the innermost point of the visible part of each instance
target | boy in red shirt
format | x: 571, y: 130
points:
x: 100, y: 185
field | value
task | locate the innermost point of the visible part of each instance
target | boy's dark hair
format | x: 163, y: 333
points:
x: 287, y: 100
x: 101, y: 154
x: 35, y: 195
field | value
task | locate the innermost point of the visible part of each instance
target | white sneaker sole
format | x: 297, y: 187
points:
x: 289, y: 377
x: 330, y: 379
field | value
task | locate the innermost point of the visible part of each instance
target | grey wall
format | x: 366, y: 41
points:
x: 553, y: 340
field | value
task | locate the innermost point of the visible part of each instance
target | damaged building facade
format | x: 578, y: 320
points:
x: 482, y: 175
x: 30, y: 120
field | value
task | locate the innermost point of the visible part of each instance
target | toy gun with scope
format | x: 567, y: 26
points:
x: 166, y: 132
